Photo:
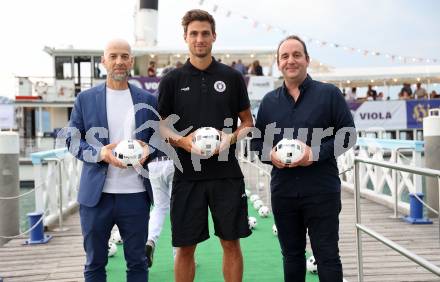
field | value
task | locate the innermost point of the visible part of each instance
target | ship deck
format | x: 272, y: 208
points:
x: 63, y: 258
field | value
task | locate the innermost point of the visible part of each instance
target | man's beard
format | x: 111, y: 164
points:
x: 120, y: 76
x: 202, y: 54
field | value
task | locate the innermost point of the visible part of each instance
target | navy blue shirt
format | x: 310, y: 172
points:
x: 319, y: 108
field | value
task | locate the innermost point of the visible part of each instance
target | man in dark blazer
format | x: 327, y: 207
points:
x: 111, y: 193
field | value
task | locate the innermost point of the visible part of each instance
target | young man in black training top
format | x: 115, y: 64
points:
x: 206, y: 93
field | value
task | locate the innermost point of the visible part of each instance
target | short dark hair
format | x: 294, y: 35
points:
x: 294, y: 37
x: 197, y: 15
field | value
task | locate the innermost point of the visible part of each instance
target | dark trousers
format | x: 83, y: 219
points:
x: 317, y: 215
x: 130, y: 212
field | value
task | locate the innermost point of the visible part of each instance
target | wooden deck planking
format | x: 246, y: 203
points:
x: 381, y: 263
x: 63, y: 258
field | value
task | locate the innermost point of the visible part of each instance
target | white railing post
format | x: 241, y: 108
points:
x: 52, y: 180
x: 417, y: 161
x: 39, y: 184
x: 395, y: 192
x: 357, y: 205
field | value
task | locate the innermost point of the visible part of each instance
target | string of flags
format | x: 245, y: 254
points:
x: 322, y: 43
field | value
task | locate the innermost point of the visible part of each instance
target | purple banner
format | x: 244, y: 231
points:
x: 151, y: 84
x: 354, y: 105
x: 416, y: 110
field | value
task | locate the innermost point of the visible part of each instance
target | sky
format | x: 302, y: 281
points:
x: 401, y: 27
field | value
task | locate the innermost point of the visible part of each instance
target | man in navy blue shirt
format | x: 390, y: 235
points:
x: 306, y: 193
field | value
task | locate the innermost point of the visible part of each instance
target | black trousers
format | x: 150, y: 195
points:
x: 317, y: 215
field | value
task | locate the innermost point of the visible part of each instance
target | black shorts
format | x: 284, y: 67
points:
x: 227, y: 201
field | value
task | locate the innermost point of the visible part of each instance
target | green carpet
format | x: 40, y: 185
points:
x: 261, y: 252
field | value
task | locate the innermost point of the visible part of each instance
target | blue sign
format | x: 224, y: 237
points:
x: 416, y: 110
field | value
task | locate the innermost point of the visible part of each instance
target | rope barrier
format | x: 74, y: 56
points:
x: 27, y: 231
x: 32, y: 190
x: 426, y: 205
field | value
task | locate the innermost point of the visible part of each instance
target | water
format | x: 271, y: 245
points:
x: 27, y: 204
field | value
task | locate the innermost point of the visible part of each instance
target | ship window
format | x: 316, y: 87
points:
x: 63, y: 67
x: 99, y: 70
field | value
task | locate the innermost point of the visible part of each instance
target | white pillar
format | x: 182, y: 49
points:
x: 431, y: 132
x: 146, y: 23
x: 40, y: 122
x: 9, y: 185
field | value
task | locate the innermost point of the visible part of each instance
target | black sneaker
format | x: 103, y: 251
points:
x: 149, y: 251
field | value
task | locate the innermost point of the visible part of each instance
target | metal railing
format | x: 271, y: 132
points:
x: 359, y: 227
x: 57, y: 174
x: 382, y: 185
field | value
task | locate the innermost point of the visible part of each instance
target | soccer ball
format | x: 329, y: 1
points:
x: 274, y: 230
x: 258, y: 204
x: 263, y: 211
x: 207, y: 139
x: 116, y: 237
x: 289, y: 150
x: 254, y: 197
x: 112, y: 249
x: 252, y: 222
x: 248, y: 192
x: 312, y: 266
x: 129, y: 152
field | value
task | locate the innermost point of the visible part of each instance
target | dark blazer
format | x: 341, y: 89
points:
x: 88, y: 132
